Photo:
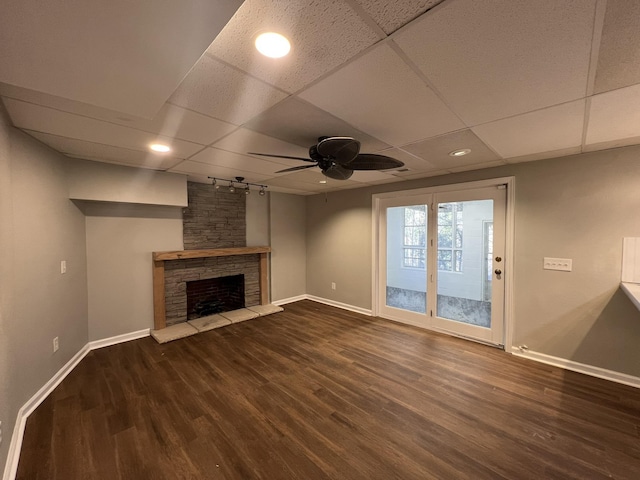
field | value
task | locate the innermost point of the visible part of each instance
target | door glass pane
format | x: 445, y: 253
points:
x: 407, y: 258
x: 465, y: 247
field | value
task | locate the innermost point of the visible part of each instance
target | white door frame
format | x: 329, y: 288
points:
x: 509, y: 242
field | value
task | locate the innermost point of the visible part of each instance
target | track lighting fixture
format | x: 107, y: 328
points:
x: 239, y: 180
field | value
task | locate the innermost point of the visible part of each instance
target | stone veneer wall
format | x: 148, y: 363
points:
x: 178, y: 272
x: 214, y: 218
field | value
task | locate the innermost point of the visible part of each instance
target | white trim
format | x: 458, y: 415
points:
x: 27, y: 409
x: 125, y: 337
x: 509, y: 262
x: 590, y: 370
x: 284, y: 301
x: 13, y: 457
x: 445, y: 188
x: 344, y: 306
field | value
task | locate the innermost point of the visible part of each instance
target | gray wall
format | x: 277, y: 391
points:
x: 120, y: 239
x: 578, y: 207
x: 288, y: 246
x: 40, y: 227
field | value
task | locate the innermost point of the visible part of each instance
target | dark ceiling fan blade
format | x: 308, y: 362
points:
x: 372, y: 161
x: 281, y: 156
x: 293, y: 169
x: 340, y: 149
x: 338, y: 172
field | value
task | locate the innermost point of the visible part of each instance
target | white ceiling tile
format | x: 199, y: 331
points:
x: 380, y: 94
x: 231, y: 160
x: 500, y: 58
x: 222, y: 92
x: 323, y: 35
x: 301, y: 123
x: 436, y: 150
x: 619, y: 55
x: 126, y: 56
x: 370, y: 176
x: 467, y: 168
x: 46, y: 120
x: 544, y: 155
x: 171, y: 120
x: 243, y: 141
x: 545, y: 130
x: 105, y: 153
x: 614, y: 115
x: 392, y: 15
x: 411, y: 162
x: 190, y: 167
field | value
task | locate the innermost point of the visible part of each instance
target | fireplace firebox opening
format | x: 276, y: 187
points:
x: 214, y: 295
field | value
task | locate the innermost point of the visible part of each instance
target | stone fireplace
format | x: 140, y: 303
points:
x: 214, y: 233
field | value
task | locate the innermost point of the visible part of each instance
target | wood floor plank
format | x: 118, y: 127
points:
x: 316, y: 392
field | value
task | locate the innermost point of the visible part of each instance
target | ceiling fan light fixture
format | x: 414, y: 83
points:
x: 272, y: 45
x: 460, y: 153
x: 160, y: 148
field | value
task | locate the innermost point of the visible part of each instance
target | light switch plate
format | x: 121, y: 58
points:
x: 561, y: 264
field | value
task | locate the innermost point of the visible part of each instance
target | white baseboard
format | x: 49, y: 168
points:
x: 27, y: 409
x: 284, y: 301
x: 598, y: 372
x: 126, y: 337
x: 344, y: 306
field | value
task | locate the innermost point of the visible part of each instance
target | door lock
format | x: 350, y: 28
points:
x: 498, y: 271
x: 498, y: 259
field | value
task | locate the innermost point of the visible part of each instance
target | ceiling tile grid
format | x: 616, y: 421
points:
x: 42, y: 119
x: 380, y: 94
x: 392, y: 15
x: 324, y: 34
x: 220, y: 91
x: 506, y: 79
x: 553, y: 128
x: 500, y: 58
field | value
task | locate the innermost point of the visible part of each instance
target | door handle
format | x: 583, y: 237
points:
x: 498, y: 271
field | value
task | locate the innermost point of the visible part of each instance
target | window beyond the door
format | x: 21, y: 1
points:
x: 450, y: 237
x: 415, y: 233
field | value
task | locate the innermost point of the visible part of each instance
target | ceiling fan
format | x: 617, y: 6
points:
x: 338, y: 157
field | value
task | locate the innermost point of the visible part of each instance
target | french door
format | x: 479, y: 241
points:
x: 441, y: 261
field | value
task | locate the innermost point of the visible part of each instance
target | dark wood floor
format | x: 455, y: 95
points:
x: 315, y: 392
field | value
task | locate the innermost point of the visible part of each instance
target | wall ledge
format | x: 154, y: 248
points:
x: 590, y: 370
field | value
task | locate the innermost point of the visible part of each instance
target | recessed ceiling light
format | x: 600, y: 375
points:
x: 160, y: 148
x: 460, y: 153
x: 322, y: 181
x: 272, y: 45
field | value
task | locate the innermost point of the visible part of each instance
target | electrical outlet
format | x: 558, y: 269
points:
x: 562, y: 264
x: 56, y: 345
x: 63, y: 266
x: 333, y: 285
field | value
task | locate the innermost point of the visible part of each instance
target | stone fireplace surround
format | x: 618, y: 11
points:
x: 171, y: 271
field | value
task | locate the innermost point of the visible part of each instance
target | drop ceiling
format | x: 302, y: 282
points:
x: 512, y: 80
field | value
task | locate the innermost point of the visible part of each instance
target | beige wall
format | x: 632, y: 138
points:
x: 120, y: 240
x: 288, y: 245
x: 578, y: 207
x: 40, y: 227
x: 257, y: 217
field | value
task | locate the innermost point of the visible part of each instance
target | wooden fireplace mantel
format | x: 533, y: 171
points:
x: 159, y: 309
